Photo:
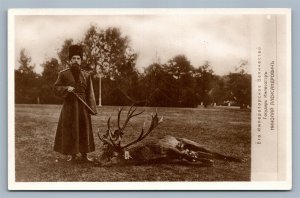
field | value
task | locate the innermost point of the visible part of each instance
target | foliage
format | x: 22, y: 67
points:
x: 49, y: 76
x: 63, y: 54
x: 26, y: 80
x: 205, y: 80
x: 109, y: 57
x: 179, y: 74
x: 108, y: 52
x: 239, y: 89
x: 156, y: 88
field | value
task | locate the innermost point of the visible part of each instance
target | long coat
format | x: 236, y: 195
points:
x: 74, y: 131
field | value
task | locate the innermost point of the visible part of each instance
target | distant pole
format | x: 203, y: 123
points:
x: 38, y: 100
x: 100, y: 90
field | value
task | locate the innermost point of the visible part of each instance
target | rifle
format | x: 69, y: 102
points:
x: 84, y: 103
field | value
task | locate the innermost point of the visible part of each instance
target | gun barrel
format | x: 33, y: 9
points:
x: 84, y: 103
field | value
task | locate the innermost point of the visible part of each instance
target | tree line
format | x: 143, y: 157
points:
x: 109, y: 57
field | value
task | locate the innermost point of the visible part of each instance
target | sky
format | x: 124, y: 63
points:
x: 222, y: 40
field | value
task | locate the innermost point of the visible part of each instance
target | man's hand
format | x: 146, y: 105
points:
x: 70, y: 89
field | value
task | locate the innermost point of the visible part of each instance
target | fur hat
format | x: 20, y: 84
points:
x: 75, y: 50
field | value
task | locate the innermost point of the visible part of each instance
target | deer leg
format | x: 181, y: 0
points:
x: 204, y: 155
x: 226, y: 158
x: 194, y: 146
x: 173, y: 153
x: 218, y: 156
x: 198, y: 158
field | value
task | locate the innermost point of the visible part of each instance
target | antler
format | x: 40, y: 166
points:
x: 154, y: 123
x: 111, y: 137
x: 103, y: 139
x: 108, y: 137
x: 130, y: 114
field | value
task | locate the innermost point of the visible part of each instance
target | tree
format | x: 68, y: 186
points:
x: 180, y: 69
x: 179, y: 75
x: 49, y: 76
x: 204, y: 78
x: 108, y: 54
x: 63, y: 53
x: 109, y: 57
x: 217, y: 93
x: 239, y: 86
x: 155, y: 88
x: 25, y: 67
x: 26, y: 80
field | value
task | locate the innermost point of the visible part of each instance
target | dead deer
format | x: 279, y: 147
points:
x: 168, y: 149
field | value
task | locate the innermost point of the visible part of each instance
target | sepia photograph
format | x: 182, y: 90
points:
x: 149, y: 99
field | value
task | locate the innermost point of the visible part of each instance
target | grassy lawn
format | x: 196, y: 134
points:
x: 227, y: 131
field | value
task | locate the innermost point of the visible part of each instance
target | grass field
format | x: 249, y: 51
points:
x: 223, y: 130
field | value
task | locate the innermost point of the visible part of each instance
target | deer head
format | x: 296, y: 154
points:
x: 112, y: 139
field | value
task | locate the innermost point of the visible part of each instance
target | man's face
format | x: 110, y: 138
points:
x: 75, y: 60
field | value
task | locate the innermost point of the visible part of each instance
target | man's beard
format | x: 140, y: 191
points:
x: 75, y: 66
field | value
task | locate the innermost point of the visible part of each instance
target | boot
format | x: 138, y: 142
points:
x: 72, y: 158
x: 85, y: 159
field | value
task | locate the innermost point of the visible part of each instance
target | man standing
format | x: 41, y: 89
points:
x: 74, y: 131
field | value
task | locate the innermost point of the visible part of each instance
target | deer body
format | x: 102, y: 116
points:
x: 167, y: 149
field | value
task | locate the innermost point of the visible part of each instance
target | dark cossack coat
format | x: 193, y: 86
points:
x: 74, y: 132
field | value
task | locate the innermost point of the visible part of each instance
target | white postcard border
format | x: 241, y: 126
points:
x: 13, y: 185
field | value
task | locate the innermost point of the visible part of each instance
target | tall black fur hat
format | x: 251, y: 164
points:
x: 75, y: 50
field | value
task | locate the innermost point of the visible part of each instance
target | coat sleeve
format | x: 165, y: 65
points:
x: 91, y: 96
x: 60, y: 89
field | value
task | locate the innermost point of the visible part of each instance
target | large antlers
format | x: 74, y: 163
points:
x: 109, y: 137
x: 114, y: 138
x: 130, y: 114
x: 154, y: 123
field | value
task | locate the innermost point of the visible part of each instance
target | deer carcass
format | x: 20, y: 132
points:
x: 167, y: 149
